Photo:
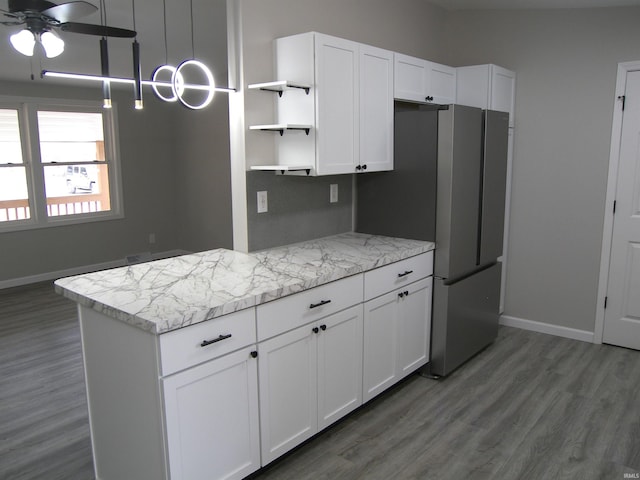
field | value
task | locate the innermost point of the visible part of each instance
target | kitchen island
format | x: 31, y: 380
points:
x: 172, y: 350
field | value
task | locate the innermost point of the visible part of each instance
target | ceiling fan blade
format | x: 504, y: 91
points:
x: 99, y: 30
x: 29, y: 5
x: 66, y: 12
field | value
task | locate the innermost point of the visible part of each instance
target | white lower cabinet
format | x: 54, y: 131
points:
x: 219, y: 399
x: 211, y: 417
x: 309, y: 378
x: 397, y: 328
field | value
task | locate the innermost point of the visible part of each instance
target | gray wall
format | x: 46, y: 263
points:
x: 302, y: 210
x: 566, y: 64
x: 202, y: 177
x: 148, y: 191
x: 299, y: 208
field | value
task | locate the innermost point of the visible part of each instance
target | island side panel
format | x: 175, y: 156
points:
x: 123, y: 393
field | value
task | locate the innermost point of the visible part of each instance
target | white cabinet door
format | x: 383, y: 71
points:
x: 503, y: 89
x: 411, y: 78
x: 337, y: 105
x: 418, y: 80
x: 414, y: 321
x: 211, y: 415
x: 339, y: 365
x: 442, y: 88
x: 288, y: 391
x: 397, y: 334
x: 376, y: 109
x: 380, y: 369
x: 487, y: 87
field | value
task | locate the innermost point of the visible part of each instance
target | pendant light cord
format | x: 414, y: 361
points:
x: 103, y: 13
x: 166, y: 43
x: 193, y: 48
x: 133, y: 11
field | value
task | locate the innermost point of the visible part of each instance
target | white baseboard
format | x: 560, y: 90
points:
x: 43, y: 277
x: 540, y: 327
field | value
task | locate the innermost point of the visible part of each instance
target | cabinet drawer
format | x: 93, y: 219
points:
x: 301, y: 308
x: 183, y: 348
x: 387, y: 278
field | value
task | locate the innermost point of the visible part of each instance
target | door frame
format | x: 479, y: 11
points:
x: 614, y: 161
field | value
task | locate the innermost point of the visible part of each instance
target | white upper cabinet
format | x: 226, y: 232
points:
x: 421, y: 81
x: 376, y: 110
x: 487, y: 87
x: 348, y: 107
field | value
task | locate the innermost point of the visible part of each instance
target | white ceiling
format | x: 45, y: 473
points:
x: 530, y: 4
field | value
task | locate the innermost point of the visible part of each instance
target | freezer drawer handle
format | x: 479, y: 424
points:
x: 323, y: 302
x: 400, y: 275
x: 215, y: 340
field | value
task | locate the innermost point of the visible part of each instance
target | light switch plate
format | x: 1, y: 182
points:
x: 333, y: 193
x: 262, y: 202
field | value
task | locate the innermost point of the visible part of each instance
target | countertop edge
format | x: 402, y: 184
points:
x: 250, y: 300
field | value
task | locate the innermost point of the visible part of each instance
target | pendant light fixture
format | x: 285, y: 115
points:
x: 137, y: 74
x: 168, y: 82
x: 189, y: 64
x: 162, y: 87
x: 104, y: 59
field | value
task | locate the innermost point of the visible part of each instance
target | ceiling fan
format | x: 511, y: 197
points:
x: 41, y: 18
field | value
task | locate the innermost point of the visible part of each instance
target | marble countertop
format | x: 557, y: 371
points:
x: 168, y: 294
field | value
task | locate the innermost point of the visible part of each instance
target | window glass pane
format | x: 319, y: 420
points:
x: 70, y: 137
x: 14, y: 197
x: 76, y: 189
x: 10, y: 148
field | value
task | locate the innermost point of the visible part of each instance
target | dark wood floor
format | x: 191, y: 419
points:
x: 531, y: 406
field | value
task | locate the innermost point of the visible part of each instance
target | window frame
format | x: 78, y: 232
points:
x: 28, y: 108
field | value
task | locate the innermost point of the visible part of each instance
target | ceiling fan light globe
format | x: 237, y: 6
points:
x: 24, y: 42
x: 52, y: 44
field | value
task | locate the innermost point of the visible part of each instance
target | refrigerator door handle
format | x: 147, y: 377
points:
x: 481, y: 190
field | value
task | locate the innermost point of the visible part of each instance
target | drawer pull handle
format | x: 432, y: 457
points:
x: 219, y: 339
x: 407, y: 272
x: 323, y: 302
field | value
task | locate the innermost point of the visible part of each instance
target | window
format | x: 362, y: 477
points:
x: 58, y: 164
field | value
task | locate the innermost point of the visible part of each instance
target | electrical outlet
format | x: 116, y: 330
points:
x: 262, y: 202
x: 333, y: 193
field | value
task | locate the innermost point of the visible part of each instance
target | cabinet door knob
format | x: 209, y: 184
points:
x: 323, y: 327
x: 315, y: 329
x: 429, y: 99
x: 364, y: 167
x: 254, y: 354
x: 406, y: 293
x: 358, y: 167
x: 401, y: 294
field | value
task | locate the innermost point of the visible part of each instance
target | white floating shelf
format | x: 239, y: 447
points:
x: 279, y: 86
x: 282, y: 169
x: 281, y: 127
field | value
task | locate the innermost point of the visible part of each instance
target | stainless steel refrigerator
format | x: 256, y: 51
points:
x: 447, y: 186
